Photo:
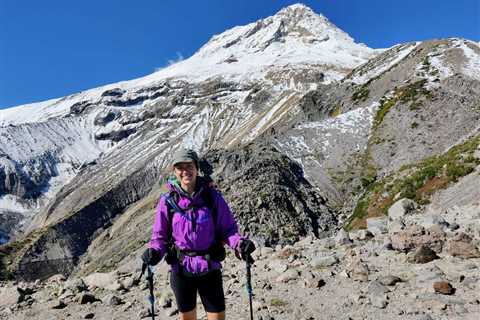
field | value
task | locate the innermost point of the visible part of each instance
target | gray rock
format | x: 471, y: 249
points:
x: 377, y: 225
x: 112, y: 300
x: 389, y: 280
x: 380, y: 301
x: 360, y: 272
x: 108, y: 281
x: 422, y: 255
x: 342, y: 238
x: 266, y: 251
x: 165, y: 300
x: 430, y: 220
x: 395, y: 226
x: 75, y: 285
x: 401, y: 208
x: 425, y: 278
x: 11, y: 296
x: 376, y: 288
x: 324, y: 261
x: 288, y: 276
x: 278, y: 266
x: 128, y: 283
x: 461, y: 246
x: 58, y: 304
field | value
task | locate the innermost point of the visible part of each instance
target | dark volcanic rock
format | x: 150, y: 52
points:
x: 269, y: 194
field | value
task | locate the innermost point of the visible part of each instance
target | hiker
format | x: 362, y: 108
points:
x: 192, y: 224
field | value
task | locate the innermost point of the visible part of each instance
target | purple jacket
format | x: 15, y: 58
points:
x: 184, y: 235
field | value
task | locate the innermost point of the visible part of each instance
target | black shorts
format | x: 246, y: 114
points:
x: 209, y: 287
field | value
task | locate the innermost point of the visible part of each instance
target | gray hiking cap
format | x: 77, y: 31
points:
x: 185, y: 155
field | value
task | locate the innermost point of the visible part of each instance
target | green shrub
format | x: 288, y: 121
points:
x: 276, y: 302
x: 361, y: 94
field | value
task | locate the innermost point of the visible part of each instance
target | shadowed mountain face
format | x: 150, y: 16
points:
x: 292, y: 143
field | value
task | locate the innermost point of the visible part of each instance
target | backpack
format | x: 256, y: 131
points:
x: 216, y: 252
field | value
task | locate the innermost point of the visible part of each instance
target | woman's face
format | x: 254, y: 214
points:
x: 186, y: 173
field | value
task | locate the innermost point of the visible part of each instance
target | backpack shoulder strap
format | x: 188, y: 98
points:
x: 209, y: 196
x: 172, y: 207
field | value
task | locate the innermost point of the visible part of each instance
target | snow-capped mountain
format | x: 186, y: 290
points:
x: 295, y: 50
x: 296, y: 117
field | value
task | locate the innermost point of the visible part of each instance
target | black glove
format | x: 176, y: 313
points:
x: 246, y: 248
x: 151, y: 256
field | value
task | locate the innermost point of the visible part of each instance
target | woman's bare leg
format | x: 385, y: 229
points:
x: 190, y: 315
x: 216, y: 315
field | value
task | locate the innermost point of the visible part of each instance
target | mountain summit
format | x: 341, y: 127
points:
x: 293, y: 36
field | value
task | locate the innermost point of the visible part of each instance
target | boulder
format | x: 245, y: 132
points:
x: 461, y: 246
x: 75, y: 285
x: 416, y: 236
x: 108, y: 281
x: 401, y: 208
x: 422, y: 255
x: 377, y: 225
x: 11, y: 296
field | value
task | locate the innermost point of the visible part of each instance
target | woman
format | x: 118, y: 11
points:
x: 192, y: 223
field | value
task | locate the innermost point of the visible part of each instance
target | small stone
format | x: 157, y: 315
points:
x: 360, y: 272
x: 376, y: 288
x: 85, y: 298
x: 380, y: 302
x: 389, y: 280
x: 422, y: 255
x: 443, y: 287
x: 128, y: 283
x: 112, y: 300
x: 324, y: 261
x: 278, y: 266
x: 165, y: 301
x: 75, y: 285
x: 89, y: 315
x: 266, y: 251
x: 287, y: 276
x: 59, y: 304
x: 172, y: 312
x: 342, y: 238
x: 364, y: 235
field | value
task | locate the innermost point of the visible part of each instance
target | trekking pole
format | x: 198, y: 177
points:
x: 249, y: 285
x: 151, y: 298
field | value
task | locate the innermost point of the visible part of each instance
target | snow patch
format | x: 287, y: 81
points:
x: 472, y: 65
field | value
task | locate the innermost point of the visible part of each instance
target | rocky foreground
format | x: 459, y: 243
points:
x: 417, y: 263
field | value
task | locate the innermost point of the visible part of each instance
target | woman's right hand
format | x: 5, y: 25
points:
x: 151, y: 257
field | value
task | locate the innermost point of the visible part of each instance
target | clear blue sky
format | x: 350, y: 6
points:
x: 51, y: 48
